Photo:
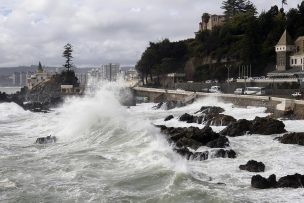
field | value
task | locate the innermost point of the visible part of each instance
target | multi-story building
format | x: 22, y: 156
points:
x: 290, y: 57
x: 82, y: 78
x: 211, y: 22
x: 41, y: 75
x: 16, y: 78
x: 110, y: 71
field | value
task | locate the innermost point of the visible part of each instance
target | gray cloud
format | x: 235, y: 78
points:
x: 101, y: 31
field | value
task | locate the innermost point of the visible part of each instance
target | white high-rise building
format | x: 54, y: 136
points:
x: 110, y: 71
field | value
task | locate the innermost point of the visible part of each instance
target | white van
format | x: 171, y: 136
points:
x: 215, y: 89
x: 255, y: 91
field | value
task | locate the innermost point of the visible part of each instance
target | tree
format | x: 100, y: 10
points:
x: 233, y: 7
x: 67, y: 53
x: 40, y: 69
x: 205, y: 19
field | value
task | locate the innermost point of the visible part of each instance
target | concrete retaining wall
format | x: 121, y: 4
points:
x: 240, y: 100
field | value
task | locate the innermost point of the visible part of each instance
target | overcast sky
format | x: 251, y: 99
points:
x: 101, y: 31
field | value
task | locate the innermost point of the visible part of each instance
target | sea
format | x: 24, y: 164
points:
x: 106, y: 152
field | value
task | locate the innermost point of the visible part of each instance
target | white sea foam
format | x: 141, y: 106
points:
x: 106, y: 152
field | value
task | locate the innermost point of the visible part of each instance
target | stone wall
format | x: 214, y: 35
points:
x: 239, y: 100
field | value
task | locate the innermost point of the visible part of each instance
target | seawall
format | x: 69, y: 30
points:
x: 277, y: 106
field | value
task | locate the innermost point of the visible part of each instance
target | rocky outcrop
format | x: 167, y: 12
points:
x: 291, y: 181
x: 263, y: 126
x: 168, y: 118
x: 267, y: 126
x: 220, y: 142
x: 208, y: 119
x: 239, y: 128
x: 200, y: 156
x: 292, y: 138
x: 192, y: 137
x: 210, y: 110
x: 168, y: 105
x: 46, y: 140
x: 225, y: 153
x: 260, y: 182
x: 253, y: 166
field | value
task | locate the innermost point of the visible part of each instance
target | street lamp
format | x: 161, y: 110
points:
x: 228, y: 68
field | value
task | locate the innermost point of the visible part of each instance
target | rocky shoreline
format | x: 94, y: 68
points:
x: 187, y: 140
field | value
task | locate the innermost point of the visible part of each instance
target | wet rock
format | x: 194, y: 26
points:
x: 260, y: 182
x: 293, y: 181
x: 188, y: 142
x: 253, y: 166
x: 46, y: 140
x: 36, y: 107
x: 168, y: 118
x: 225, y: 153
x: 200, y: 156
x: 239, y: 128
x: 267, y: 126
x: 218, y: 119
x: 263, y: 126
x: 184, y: 152
x: 187, y: 118
x: 220, y: 142
x: 205, y: 135
x: 211, y: 110
x: 168, y: 105
x: 292, y: 138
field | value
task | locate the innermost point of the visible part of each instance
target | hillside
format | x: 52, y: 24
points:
x: 245, y: 38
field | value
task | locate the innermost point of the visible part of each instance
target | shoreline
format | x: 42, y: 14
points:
x: 279, y: 107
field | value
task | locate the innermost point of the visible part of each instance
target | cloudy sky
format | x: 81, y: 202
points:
x: 101, y: 31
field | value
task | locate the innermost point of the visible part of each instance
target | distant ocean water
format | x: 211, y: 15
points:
x: 10, y: 90
x: 108, y: 153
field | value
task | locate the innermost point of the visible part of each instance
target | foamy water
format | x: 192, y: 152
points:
x: 109, y: 153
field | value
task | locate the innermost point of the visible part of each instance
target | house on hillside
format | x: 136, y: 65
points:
x: 210, y: 22
x: 290, y: 57
x: 40, y: 76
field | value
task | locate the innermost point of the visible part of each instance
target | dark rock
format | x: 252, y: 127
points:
x: 46, y: 140
x: 169, y: 105
x: 36, y: 107
x: 267, y: 126
x: 292, y: 138
x: 253, y: 166
x: 263, y: 126
x: 188, y: 142
x: 169, y: 118
x: 187, y: 118
x: 205, y: 135
x: 238, y: 128
x: 211, y: 109
x: 218, y: 119
x: 225, y: 154
x: 184, y: 152
x: 220, y: 142
x: 200, y: 156
x: 260, y: 182
x: 293, y: 181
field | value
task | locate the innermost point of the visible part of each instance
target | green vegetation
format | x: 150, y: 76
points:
x: 68, y: 77
x: 245, y: 38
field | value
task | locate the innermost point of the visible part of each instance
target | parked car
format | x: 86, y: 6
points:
x: 215, y: 89
x: 239, y: 91
x: 216, y: 81
x: 297, y: 94
x: 208, y: 81
x: 255, y: 91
